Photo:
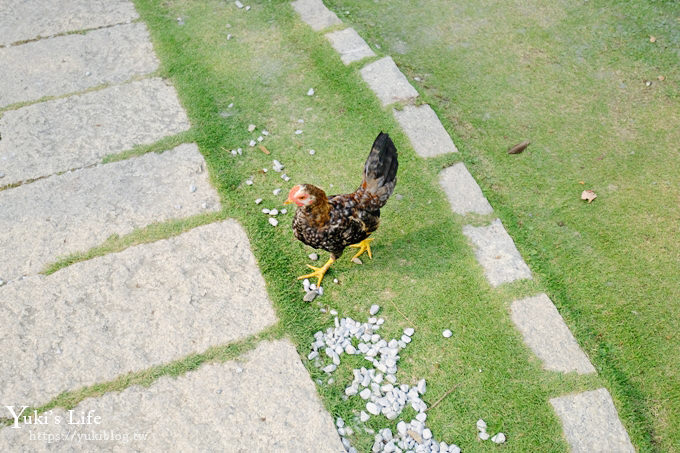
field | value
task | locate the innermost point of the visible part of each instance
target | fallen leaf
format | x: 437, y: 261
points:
x: 588, y: 195
x: 661, y: 78
x: 263, y: 149
x: 652, y: 39
x: 518, y: 148
x: 581, y: 182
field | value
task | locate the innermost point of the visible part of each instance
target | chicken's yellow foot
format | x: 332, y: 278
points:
x: 363, y: 246
x: 319, y: 272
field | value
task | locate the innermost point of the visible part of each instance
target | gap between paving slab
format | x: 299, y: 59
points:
x: 349, y: 45
x: 235, y: 405
x: 76, y: 211
x: 30, y: 19
x: 545, y: 332
x: 149, y: 304
x: 591, y: 423
x: 72, y: 63
x: 68, y: 133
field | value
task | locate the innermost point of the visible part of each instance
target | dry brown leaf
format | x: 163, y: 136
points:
x: 652, y: 39
x: 588, y: 195
x: 661, y: 78
x: 581, y: 182
x: 263, y: 149
x: 518, y: 148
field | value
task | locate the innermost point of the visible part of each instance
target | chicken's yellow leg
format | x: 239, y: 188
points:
x: 319, y: 272
x: 363, y: 246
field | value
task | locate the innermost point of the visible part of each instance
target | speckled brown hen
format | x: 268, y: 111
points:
x: 336, y: 222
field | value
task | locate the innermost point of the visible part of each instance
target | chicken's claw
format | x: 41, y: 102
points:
x: 319, y: 272
x: 363, y: 246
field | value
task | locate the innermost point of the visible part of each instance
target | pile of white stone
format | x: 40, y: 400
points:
x: 378, y: 384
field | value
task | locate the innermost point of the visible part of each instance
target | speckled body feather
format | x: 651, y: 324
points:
x: 334, y: 223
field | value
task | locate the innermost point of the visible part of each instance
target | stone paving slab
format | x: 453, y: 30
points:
x: 315, y: 14
x: 76, y: 211
x: 262, y: 402
x: 127, y: 311
x: 63, y: 134
x: 426, y: 133
x: 463, y: 192
x: 496, y: 253
x: 545, y: 332
x: 60, y: 65
x: 349, y: 45
x: 30, y: 19
x: 591, y: 423
x: 387, y: 82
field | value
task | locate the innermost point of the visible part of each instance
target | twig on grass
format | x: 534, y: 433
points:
x: 402, y: 314
x: 448, y: 392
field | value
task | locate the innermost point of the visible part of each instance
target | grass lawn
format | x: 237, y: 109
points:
x: 422, y: 263
x: 570, y: 77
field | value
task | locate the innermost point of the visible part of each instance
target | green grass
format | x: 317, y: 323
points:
x: 569, y: 76
x: 423, y: 266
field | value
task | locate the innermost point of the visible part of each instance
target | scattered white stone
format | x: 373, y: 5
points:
x: 265, y: 211
x: 233, y: 151
x: 372, y: 408
x: 284, y: 211
x: 409, y: 331
x: 312, y: 152
x: 320, y: 290
x: 228, y: 38
x: 298, y: 132
x: 192, y: 188
x: 238, y: 4
x: 447, y: 333
x: 274, y: 212
x: 239, y: 151
x: 481, y: 425
x: 265, y: 170
x: 334, y: 312
x: 305, y: 284
x: 249, y: 182
x: 285, y: 177
x: 498, y: 438
x: 265, y: 132
x: 313, y: 256
x: 374, y: 309
x: 483, y: 435
x: 260, y: 138
x: 312, y: 286
x: 273, y: 221
x: 310, y: 92
x: 232, y: 104
x: 363, y: 416
x: 276, y: 191
x: 248, y: 8
x: 252, y: 143
x: 277, y: 166
x: 335, y: 280
x: 251, y: 127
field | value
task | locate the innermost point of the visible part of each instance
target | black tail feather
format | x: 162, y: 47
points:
x: 380, y: 171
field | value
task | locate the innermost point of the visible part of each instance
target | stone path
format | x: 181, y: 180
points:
x: 149, y: 305
x: 590, y: 420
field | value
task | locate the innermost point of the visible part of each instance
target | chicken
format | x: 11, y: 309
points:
x: 336, y: 222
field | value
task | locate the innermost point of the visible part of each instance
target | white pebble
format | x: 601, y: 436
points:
x: 230, y: 105
x: 251, y: 128
x: 265, y: 211
x: 274, y: 212
x: 498, y: 438
x: 248, y: 8
x: 265, y: 132
x: 273, y: 221
x: 228, y: 38
x: 313, y: 256
x: 409, y: 331
x: 365, y: 393
x: 320, y: 290
x: 335, y: 280
x: 481, y: 425
x: 252, y: 143
x: 238, y: 4
x: 298, y: 132
x: 284, y: 211
x: 249, y: 182
x: 265, y: 170
x: 310, y: 92
x: 258, y: 201
x: 427, y: 434
x: 447, y: 333
x: 276, y: 191
x: 192, y: 188
x: 483, y: 435
x: 239, y: 151
x: 233, y: 152
x: 374, y: 309
x: 372, y: 408
x: 312, y: 152
x: 260, y: 138
x: 363, y: 416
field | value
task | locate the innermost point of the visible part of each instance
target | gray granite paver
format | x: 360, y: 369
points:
x: 127, y: 311
x: 496, y: 253
x: 463, y: 192
x: 71, y: 63
x: 30, y: 19
x: 387, y: 82
x: 545, y: 332
x: 63, y: 134
x: 315, y: 14
x: 349, y: 45
x: 424, y: 130
x: 73, y: 212
x: 591, y: 423
x: 263, y: 401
